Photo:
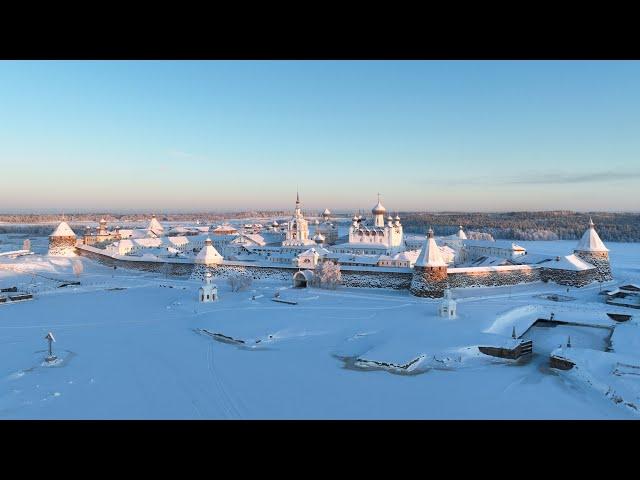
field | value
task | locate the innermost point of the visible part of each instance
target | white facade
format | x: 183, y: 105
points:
x: 386, y: 235
x: 447, y: 307
x: 208, y: 291
x: 297, y: 234
x: 474, y: 249
x: 326, y: 228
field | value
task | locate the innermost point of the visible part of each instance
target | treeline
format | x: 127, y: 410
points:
x: 555, y: 225
x: 136, y: 217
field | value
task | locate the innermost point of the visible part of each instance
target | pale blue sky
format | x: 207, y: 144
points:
x: 458, y: 135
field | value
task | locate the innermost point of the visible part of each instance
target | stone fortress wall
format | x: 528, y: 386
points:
x: 61, y: 245
x: 600, y: 260
x: 421, y: 282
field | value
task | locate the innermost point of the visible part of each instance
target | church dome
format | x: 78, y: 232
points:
x: 318, y: 238
x: 378, y: 209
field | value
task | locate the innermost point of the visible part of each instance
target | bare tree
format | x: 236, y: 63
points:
x: 77, y: 267
x: 239, y: 282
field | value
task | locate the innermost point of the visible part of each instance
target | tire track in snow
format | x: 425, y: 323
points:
x: 232, y: 407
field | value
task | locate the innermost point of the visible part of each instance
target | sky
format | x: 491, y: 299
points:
x: 231, y: 135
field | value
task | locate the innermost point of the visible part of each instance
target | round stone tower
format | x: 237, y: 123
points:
x: 592, y: 250
x: 430, y: 270
x: 62, y: 242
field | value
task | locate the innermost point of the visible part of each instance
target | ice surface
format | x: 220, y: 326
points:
x: 130, y: 349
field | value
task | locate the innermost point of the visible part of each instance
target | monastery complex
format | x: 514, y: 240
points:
x: 373, y: 253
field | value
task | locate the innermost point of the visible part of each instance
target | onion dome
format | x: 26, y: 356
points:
x: 378, y: 209
x: 461, y: 234
x: 274, y: 224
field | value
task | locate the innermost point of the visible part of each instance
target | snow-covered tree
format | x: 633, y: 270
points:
x: 328, y: 275
x: 479, y: 236
x: 239, y: 282
x: 77, y: 267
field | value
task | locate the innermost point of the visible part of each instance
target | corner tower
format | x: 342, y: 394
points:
x: 430, y: 270
x: 593, y: 250
x: 62, y: 242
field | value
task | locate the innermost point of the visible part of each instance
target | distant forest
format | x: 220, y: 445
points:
x: 553, y: 225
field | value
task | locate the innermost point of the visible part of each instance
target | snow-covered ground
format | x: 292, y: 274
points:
x: 138, y: 345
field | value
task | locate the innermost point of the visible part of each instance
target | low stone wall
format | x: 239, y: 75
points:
x: 61, y: 245
x: 429, y: 282
x: 350, y: 278
x: 360, y: 279
x: 257, y: 273
x: 421, y: 282
x: 167, y: 268
x: 493, y: 278
x: 569, y: 277
x: 396, y: 281
x: 600, y: 260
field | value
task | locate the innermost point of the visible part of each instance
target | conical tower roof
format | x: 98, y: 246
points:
x: 590, y: 241
x: 208, y: 255
x: 430, y: 255
x: 63, y: 230
x: 155, y: 226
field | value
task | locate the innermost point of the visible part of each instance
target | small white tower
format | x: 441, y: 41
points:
x: 208, y: 291
x: 448, y: 305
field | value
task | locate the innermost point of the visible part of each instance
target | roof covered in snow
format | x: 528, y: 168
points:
x: 504, y: 244
x: 430, y: 255
x: 568, y: 262
x: 208, y: 254
x: 155, y: 226
x: 590, y: 241
x: 63, y: 230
